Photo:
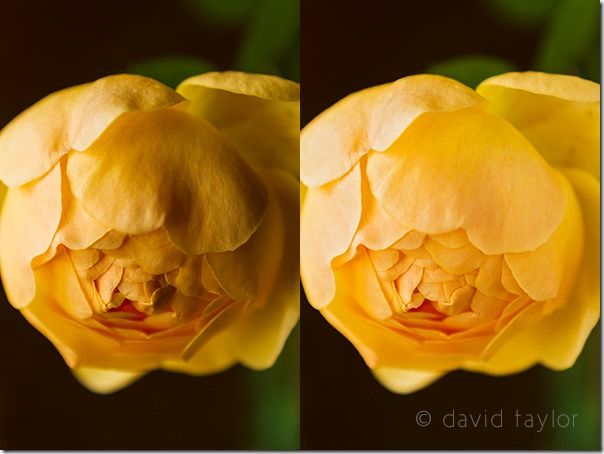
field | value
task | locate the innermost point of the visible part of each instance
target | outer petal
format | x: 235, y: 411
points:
x: 2, y: 193
x: 489, y: 181
x: 557, y: 340
x: 559, y: 114
x: 403, y: 381
x: 549, y: 271
x: 105, y: 381
x: 259, y: 336
x: 170, y: 170
x: 329, y: 219
x: 258, y: 114
x: 213, y: 356
x: 30, y: 217
x: 373, y: 119
x: 72, y: 119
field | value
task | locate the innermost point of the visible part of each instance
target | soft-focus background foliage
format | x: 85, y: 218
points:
x: 350, y: 45
x: 46, y: 46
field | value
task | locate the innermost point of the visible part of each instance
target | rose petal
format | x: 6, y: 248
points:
x: 559, y: 114
x: 105, y: 381
x: 170, y: 170
x: 72, y: 119
x: 252, y: 269
x: 30, y: 217
x: 489, y: 181
x: 259, y: 336
x: 258, y: 114
x: 542, y: 273
x: 403, y: 381
x: 371, y: 120
x: 330, y: 217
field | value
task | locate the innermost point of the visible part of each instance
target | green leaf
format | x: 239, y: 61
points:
x: 275, y: 401
x: 222, y: 13
x: 171, y: 70
x: 570, y: 35
x: 273, y: 29
x: 523, y: 13
x: 577, y: 390
x: 471, y: 69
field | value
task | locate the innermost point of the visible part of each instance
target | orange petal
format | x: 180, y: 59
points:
x: 559, y: 114
x: 328, y: 221
x: 489, y: 181
x: 169, y: 170
x: 373, y: 119
x: 72, y: 119
x: 30, y: 217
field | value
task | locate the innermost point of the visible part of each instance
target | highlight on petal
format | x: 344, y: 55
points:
x: 21, y: 239
x: 402, y: 381
x: 373, y: 119
x: 72, y: 119
x: 259, y: 115
x: 187, y: 181
x: 489, y: 181
x: 560, y: 115
x: 105, y: 381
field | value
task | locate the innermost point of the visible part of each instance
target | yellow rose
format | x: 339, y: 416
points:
x: 146, y: 228
x: 445, y: 228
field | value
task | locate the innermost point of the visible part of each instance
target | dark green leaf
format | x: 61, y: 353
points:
x: 570, y: 35
x: 222, y: 12
x: 471, y: 69
x: 171, y: 70
x: 270, y: 35
x: 275, y: 401
x: 523, y: 13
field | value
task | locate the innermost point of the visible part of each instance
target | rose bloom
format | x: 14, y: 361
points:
x: 149, y: 228
x: 445, y: 228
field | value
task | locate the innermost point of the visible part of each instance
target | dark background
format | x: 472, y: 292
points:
x: 350, y: 45
x: 49, y: 45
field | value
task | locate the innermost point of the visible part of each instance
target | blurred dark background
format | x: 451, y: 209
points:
x: 46, y: 46
x: 348, y: 45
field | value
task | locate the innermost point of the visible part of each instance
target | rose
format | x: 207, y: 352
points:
x: 446, y: 229
x: 142, y: 230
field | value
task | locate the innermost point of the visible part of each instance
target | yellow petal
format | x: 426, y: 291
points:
x: 188, y: 281
x: 559, y: 114
x: 153, y: 252
x: 61, y: 273
x: 30, y: 217
x: 362, y: 275
x: 386, y: 344
x: 403, y: 381
x: 489, y: 181
x: 213, y: 356
x: 105, y: 381
x: 328, y: 221
x: 377, y: 229
x: 256, y: 85
x: 259, y: 336
x: 556, y: 340
x: 87, y: 343
x: 373, y: 119
x: 248, y: 271
x: 169, y: 169
x: 72, y: 119
x: 543, y: 272
x: 257, y: 114
x: 569, y: 88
